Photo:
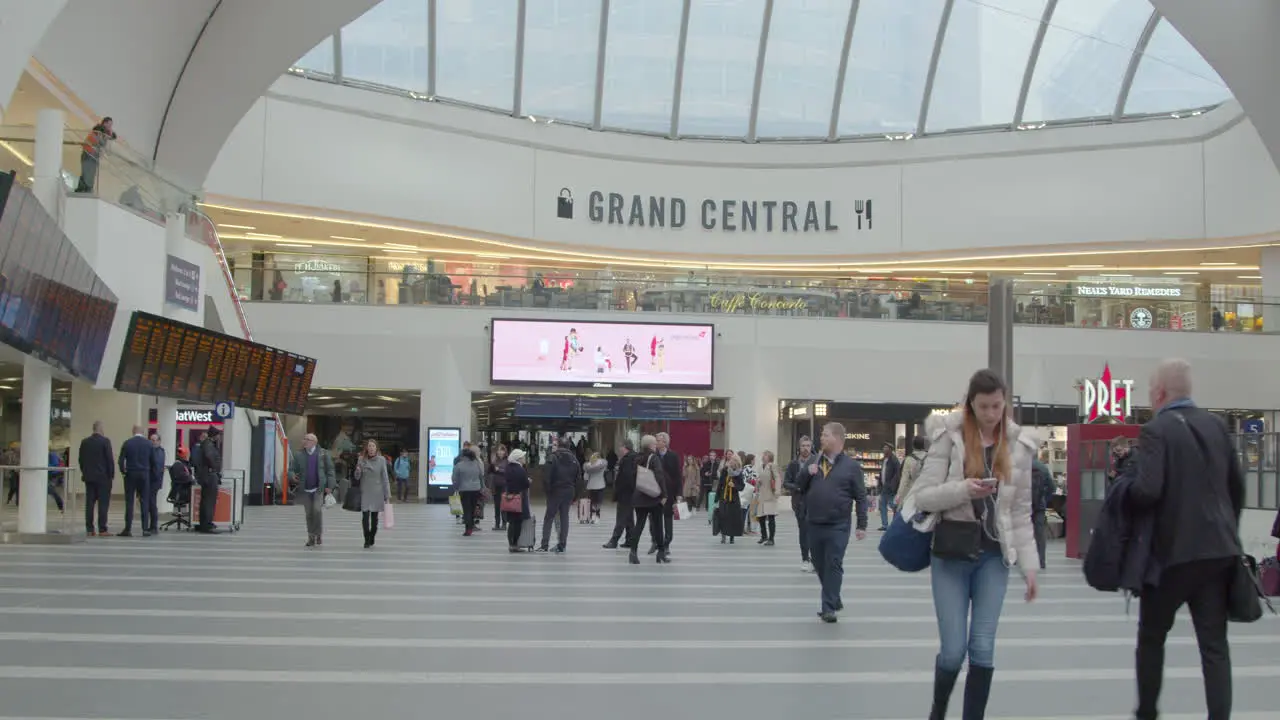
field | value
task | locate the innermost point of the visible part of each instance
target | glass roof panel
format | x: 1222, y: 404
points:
x: 560, y: 50
x: 475, y: 50
x: 1086, y: 51
x: 1173, y: 76
x: 720, y: 67
x: 888, y: 64
x: 984, y: 57
x: 640, y: 64
x: 388, y: 45
x: 320, y: 58
x: 806, y: 38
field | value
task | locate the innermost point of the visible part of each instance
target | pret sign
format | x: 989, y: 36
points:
x: 1106, y: 397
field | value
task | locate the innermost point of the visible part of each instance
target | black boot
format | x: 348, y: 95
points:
x: 977, y: 688
x: 944, y: 681
x: 634, y: 558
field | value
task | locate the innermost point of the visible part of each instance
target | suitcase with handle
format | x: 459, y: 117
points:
x: 584, y: 511
x: 528, y: 534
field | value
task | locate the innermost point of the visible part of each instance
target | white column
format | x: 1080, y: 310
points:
x: 167, y: 426
x: 751, y: 425
x: 47, y: 173
x: 37, y: 396
x: 1270, y: 290
x: 446, y: 403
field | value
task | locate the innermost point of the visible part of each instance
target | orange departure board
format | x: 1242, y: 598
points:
x: 168, y: 358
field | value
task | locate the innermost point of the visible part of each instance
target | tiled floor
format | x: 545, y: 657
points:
x: 433, y: 625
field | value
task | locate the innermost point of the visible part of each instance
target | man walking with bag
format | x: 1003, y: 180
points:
x: 831, y: 484
x: 1189, y: 476
x: 313, y: 472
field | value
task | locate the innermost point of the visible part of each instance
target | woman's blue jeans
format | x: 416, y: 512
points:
x: 961, y: 587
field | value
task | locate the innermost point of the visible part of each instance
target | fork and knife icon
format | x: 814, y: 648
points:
x: 861, y: 206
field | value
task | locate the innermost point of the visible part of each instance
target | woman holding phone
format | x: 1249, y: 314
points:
x: 977, y: 479
x: 375, y: 488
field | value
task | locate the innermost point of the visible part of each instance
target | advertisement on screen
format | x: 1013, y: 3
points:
x: 443, y: 445
x: 602, y: 354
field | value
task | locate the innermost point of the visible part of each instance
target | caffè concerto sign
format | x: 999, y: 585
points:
x: 729, y: 215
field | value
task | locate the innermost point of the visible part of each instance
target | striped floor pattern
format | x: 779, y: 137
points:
x: 432, y: 624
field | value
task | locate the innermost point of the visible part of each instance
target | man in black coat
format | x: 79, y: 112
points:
x: 97, y: 469
x: 137, y: 465
x: 209, y: 477
x: 890, y: 478
x: 562, y: 485
x: 674, y: 487
x: 1189, y: 476
x: 792, y: 484
x: 624, y: 486
x: 706, y: 481
x: 157, y: 481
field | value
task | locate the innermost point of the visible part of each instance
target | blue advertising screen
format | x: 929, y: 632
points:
x: 443, y: 445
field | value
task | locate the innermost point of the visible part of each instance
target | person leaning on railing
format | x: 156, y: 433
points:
x: 91, y: 152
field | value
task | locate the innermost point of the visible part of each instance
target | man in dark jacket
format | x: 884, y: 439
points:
x: 706, y: 481
x: 97, y: 468
x: 792, y: 484
x: 624, y: 486
x: 831, y: 485
x: 209, y: 477
x: 562, y: 482
x: 673, y: 474
x: 1041, y: 489
x: 648, y: 508
x: 890, y: 476
x: 158, y: 468
x: 137, y: 466
x: 1189, y: 477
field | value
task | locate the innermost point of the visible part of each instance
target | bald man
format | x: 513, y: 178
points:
x: 313, y: 474
x: 1189, y: 477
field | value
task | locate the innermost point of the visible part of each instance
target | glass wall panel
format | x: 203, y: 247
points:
x: 319, y: 59
x: 560, y: 49
x: 806, y: 38
x: 984, y: 57
x: 720, y: 66
x: 1173, y: 76
x: 640, y: 64
x: 476, y: 51
x: 888, y: 64
x: 388, y: 45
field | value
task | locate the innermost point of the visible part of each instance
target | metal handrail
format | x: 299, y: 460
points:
x: 70, y: 518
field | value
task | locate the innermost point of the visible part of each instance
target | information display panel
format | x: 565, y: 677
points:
x: 443, y: 446
x: 168, y: 358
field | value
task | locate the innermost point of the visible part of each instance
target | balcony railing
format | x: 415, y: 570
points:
x: 604, y: 291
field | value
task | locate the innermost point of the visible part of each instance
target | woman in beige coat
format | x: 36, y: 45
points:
x: 768, y: 489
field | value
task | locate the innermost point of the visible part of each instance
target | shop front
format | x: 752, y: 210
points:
x: 193, y: 423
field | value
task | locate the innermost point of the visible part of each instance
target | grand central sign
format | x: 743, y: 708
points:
x: 724, y: 215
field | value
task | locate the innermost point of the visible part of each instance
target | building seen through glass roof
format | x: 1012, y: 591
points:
x: 789, y: 70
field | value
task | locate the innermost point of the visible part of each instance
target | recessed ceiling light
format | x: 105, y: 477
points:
x: 237, y: 227
x: 1249, y: 277
x: 263, y: 235
x: 406, y: 252
x: 344, y: 237
x: 1115, y: 275
x: 1218, y: 264
x: 283, y: 244
x: 401, y: 245
x: 956, y: 272
x: 1040, y: 273
x: 1083, y: 267
x: 1183, y: 272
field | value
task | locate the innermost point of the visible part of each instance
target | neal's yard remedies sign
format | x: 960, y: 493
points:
x: 716, y: 214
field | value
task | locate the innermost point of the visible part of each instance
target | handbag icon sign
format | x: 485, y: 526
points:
x: 564, y: 204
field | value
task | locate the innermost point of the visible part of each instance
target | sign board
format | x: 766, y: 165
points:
x: 182, y: 283
x: 1129, y: 291
x: 224, y: 410
x: 443, y: 445
x: 1106, y: 397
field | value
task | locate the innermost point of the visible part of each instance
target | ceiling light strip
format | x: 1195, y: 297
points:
x: 1032, y: 58
x: 754, y: 115
x: 842, y: 70
x: 678, y: 89
x: 601, y: 43
x: 522, y: 12
x: 933, y: 66
x: 1139, y: 49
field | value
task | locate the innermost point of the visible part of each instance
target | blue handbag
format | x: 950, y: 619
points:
x: 905, y: 547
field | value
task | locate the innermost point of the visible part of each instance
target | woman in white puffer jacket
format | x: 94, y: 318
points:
x: 977, y: 480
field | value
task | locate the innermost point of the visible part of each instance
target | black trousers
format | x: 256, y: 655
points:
x: 1202, y: 585
x: 768, y: 527
x: 136, y: 488
x: 96, y: 494
x: 557, y: 506
x: 803, y: 526
x: 499, y: 517
x: 369, y: 524
x: 470, y: 501
x: 1040, y: 524
x: 515, y: 522
x: 208, y: 501
x: 626, y: 519
x: 652, y: 515
x: 153, y: 504
x: 668, y: 524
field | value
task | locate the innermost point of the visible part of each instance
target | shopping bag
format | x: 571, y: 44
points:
x: 330, y: 500
x: 682, y: 510
x: 388, y: 516
x: 455, y: 505
x: 351, y: 501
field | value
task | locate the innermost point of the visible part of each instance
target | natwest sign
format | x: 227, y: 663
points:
x: 1106, y: 397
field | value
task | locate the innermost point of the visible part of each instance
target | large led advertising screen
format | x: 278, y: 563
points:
x: 581, y: 353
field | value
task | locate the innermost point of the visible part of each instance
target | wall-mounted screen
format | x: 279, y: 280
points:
x: 602, y: 354
x: 443, y: 446
x: 168, y: 358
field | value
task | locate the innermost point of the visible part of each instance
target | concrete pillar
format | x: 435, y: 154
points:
x: 1000, y: 311
x: 1270, y: 291
x: 37, y: 396
x: 167, y: 426
x: 47, y: 173
x: 444, y: 403
x: 751, y: 423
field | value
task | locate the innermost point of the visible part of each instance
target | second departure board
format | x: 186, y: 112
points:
x: 173, y: 359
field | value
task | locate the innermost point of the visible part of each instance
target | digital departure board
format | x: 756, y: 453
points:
x: 173, y: 359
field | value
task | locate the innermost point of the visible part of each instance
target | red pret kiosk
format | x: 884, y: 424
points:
x: 1105, y: 404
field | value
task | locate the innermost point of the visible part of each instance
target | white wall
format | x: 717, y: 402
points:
x: 441, y: 349
x: 1185, y: 180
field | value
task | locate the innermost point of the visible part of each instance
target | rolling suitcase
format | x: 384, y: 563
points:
x: 528, y: 534
x: 584, y: 511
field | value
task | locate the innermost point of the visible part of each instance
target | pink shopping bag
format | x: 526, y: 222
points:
x: 388, y: 516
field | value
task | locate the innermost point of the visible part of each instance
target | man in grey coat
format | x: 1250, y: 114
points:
x: 312, y: 471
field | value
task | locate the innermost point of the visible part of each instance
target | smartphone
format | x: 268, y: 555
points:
x: 990, y: 482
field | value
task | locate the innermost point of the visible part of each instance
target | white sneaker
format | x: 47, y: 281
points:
x: 806, y: 566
